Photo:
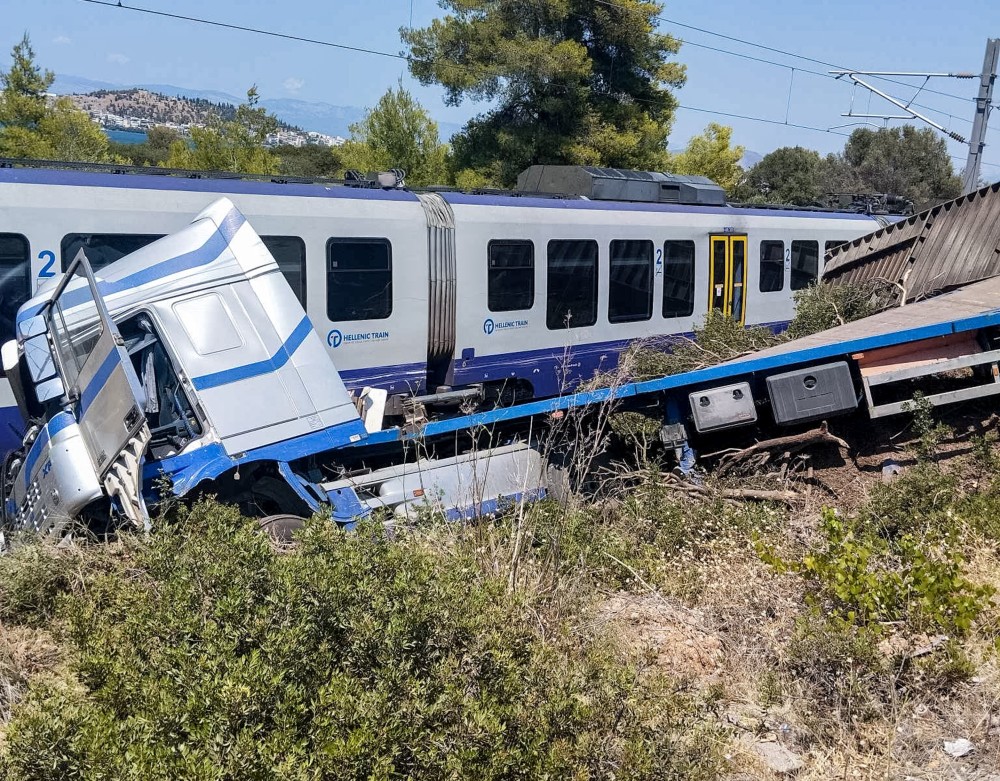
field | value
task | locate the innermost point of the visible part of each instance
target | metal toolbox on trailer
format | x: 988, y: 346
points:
x: 810, y: 394
x: 730, y: 405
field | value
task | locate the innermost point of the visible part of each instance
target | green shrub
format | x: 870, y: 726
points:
x: 33, y: 575
x: 841, y: 664
x: 644, y: 533
x: 210, y: 655
x: 870, y: 581
x: 928, y: 430
x: 919, y: 500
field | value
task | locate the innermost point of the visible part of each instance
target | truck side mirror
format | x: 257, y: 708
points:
x: 41, y: 365
x: 33, y: 326
x: 50, y: 389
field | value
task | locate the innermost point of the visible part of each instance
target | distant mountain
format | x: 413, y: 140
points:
x: 77, y: 85
x: 308, y: 115
x: 750, y: 159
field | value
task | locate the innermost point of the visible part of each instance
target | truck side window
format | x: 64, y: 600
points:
x: 358, y: 279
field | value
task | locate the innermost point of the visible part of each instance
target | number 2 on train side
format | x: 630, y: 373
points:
x: 50, y: 257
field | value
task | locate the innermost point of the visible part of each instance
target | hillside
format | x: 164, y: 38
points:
x: 309, y: 115
x: 155, y: 107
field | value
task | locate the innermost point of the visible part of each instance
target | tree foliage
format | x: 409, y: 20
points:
x: 791, y: 174
x: 309, y: 160
x: 711, y: 155
x: 235, y: 145
x: 155, y: 150
x: 398, y: 133
x: 569, y: 82
x: 905, y: 161
x: 33, y: 126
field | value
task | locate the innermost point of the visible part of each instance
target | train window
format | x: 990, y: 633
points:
x: 772, y: 266
x: 805, y: 263
x: 103, y: 249
x: 630, y: 295
x: 510, y: 275
x: 831, y: 244
x: 678, y: 278
x: 571, y: 297
x: 290, y: 254
x: 358, y: 279
x: 15, y: 280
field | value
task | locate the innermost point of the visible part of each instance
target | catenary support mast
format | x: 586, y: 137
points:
x: 983, y: 104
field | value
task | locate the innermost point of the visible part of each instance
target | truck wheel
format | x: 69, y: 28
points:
x: 281, y: 528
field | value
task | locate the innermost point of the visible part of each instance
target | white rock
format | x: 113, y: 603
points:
x: 778, y: 758
x: 958, y: 748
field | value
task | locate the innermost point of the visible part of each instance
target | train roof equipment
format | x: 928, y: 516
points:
x: 615, y: 184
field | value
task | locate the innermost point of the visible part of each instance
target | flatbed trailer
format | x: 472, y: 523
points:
x: 190, y: 367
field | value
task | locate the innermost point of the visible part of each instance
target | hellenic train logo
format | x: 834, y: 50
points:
x: 335, y: 338
x: 489, y: 325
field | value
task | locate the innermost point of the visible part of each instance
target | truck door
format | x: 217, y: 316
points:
x: 727, y: 276
x: 96, y: 371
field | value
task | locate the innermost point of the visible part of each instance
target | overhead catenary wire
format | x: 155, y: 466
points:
x: 775, y: 50
x: 409, y: 59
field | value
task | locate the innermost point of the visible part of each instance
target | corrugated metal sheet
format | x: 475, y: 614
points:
x: 951, y: 244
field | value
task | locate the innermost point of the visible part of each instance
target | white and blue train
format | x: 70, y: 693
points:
x: 439, y: 293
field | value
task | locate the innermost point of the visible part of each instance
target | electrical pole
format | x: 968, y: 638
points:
x: 983, y: 104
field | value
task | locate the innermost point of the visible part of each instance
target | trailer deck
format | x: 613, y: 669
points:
x: 928, y: 327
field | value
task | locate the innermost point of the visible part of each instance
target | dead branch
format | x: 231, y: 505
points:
x: 692, y: 489
x: 762, y: 452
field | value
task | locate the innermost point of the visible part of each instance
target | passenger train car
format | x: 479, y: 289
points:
x: 510, y: 295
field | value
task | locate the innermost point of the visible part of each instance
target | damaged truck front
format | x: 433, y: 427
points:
x: 191, y: 364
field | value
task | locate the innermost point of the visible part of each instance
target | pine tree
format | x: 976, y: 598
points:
x: 570, y: 81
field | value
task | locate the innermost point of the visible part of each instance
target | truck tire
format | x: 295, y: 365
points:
x: 281, y: 528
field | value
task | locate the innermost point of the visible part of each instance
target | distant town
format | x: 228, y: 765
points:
x: 138, y: 111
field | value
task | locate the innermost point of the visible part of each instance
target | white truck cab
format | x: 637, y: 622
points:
x: 191, y: 361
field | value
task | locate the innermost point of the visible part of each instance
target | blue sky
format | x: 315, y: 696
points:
x: 109, y: 44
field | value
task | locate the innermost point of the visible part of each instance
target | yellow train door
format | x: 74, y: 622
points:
x: 727, y: 289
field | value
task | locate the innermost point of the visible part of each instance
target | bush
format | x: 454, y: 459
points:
x: 919, y: 500
x: 718, y: 339
x: 871, y: 581
x: 33, y: 575
x: 210, y: 655
x: 841, y: 664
